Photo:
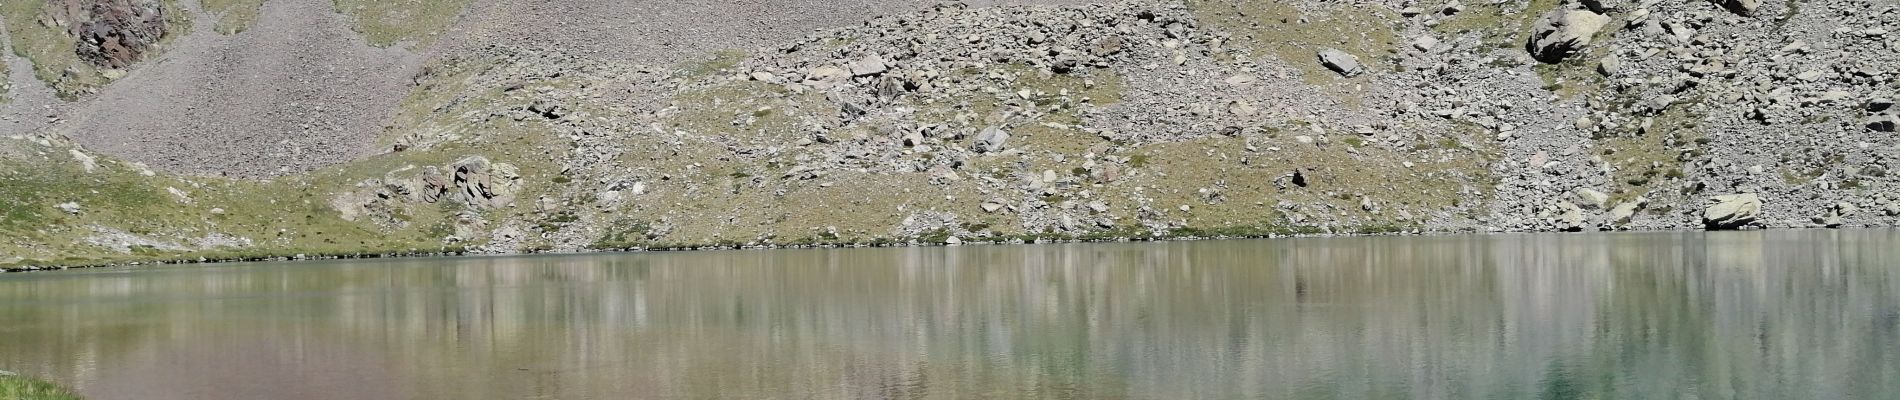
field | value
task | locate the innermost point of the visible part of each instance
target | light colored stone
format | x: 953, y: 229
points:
x: 991, y: 140
x: 69, y: 207
x: 869, y: 65
x: 1592, y: 198
x: 1340, y: 62
x: 1563, y: 32
x: 1732, y: 211
x: 1569, y: 217
x: 1626, y: 211
x: 825, y: 78
x: 86, y: 162
x: 1610, y: 65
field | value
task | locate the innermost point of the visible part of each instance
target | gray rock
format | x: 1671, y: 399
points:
x: 1569, y: 217
x: 1626, y: 211
x: 1610, y: 65
x: 1341, y: 62
x: 482, y: 184
x: 69, y: 207
x: 1592, y: 198
x: 1562, y: 32
x: 825, y: 78
x: 1107, y: 46
x: 1425, y: 43
x: 992, y: 207
x: 991, y: 140
x: 1732, y: 212
x: 869, y: 65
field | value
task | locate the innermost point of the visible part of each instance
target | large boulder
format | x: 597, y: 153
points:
x: 869, y: 65
x: 482, y: 184
x: 1563, y: 32
x: 991, y: 140
x: 1569, y: 217
x: 1732, y: 211
x: 1623, y: 213
x: 1339, y: 61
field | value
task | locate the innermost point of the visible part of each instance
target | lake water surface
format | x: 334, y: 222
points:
x: 1762, y: 315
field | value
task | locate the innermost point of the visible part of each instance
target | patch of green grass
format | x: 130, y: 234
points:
x: 1295, y: 36
x: 1646, y: 160
x: 18, y: 388
x: 1502, y: 24
x: 234, y: 16
x: 710, y: 65
x: 387, y: 23
x: 732, y: 109
x: 285, y: 216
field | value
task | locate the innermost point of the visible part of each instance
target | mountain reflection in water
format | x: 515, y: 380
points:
x: 1774, y: 315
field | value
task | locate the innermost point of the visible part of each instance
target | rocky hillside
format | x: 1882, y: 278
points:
x: 301, y: 127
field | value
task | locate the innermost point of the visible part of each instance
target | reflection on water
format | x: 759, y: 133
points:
x: 1777, y: 315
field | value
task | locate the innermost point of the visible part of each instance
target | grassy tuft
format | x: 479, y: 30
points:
x: 1296, y: 36
x: 18, y: 388
x: 387, y: 23
x: 234, y: 16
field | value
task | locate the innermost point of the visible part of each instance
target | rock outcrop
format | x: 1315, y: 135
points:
x: 112, y: 34
x: 482, y: 184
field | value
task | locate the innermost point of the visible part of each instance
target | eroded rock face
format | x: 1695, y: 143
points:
x: 1562, y: 32
x: 111, y: 34
x: 482, y: 184
x: 1732, y: 211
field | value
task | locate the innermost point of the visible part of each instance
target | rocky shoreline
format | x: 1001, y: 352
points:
x: 950, y: 242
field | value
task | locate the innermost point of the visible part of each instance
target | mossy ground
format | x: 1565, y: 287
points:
x: 1296, y: 36
x: 18, y: 388
x: 6, y: 83
x: 1502, y: 24
x: 52, y: 49
x: 234, y: 16
x: 391, y: 22
x: 282, y: 217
